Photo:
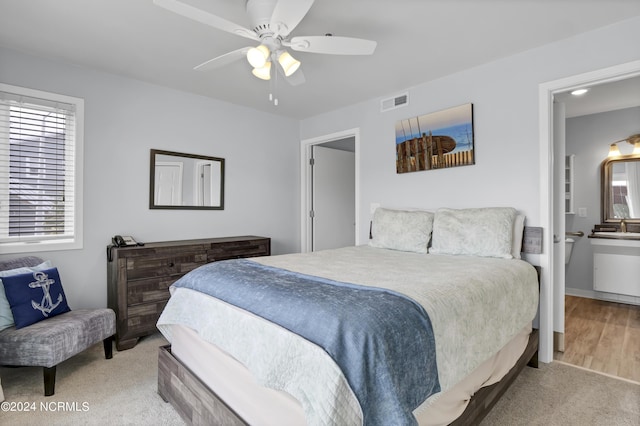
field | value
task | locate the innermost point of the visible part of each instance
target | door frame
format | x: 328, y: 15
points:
x: 546, y: 93
x: 306, y: 182
x: 558, y: 226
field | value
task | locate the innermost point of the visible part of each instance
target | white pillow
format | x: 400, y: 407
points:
x: 401, y: 230
x: 485, y: 232
x: 6, y: 316
x: 518, y: 230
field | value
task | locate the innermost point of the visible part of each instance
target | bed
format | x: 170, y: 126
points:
x: 435, y: 309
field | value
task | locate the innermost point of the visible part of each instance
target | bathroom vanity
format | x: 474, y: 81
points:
x: 616, y: 262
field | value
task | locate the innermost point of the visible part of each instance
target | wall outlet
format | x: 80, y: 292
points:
x: 582, y: 212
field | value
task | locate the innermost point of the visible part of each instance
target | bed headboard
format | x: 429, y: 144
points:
x: 525, y: 239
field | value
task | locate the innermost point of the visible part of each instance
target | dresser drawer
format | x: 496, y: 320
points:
x: 239, y: 249
x: 167, y: 265
x: 141, y: 319
x: 149, y: 289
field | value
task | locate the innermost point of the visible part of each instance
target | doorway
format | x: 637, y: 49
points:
x: 333, y: 195
x: 552, y: 293
x: 593, y: 324
x: 329, y: 191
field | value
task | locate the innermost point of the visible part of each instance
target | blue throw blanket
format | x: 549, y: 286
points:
x: 382, y: 341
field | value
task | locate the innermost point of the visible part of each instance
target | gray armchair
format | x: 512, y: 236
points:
x: 47, y: 343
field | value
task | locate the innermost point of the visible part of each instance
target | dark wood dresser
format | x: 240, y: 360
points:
x: 138, y: 277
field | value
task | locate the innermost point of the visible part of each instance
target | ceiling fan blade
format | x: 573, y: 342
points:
x: 287, y: 14
x: 223, y: 60
x: 295, y: 79
x: 207, y: 18
x: 332, y: 45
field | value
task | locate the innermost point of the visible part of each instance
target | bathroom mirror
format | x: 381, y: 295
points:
x: 621, y: 189
x: 186, y: 181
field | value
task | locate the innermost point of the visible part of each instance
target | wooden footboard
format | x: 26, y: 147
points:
x: 191, y: 398
x: 198, y: 405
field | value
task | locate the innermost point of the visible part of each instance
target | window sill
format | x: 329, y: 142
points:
x: 38, y: 246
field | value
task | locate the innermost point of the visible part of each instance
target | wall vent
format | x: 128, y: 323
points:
x: 395, y: 102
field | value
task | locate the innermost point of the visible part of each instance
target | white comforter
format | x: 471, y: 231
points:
x: 476, y: 305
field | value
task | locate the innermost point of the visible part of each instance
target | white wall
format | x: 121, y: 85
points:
x: 124, y: 119
x: 505, y: 98
x: 588, y: 137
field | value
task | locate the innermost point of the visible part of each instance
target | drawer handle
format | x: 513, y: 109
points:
x: 171, y: 264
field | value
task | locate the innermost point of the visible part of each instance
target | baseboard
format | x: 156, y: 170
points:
x: 598, y: 295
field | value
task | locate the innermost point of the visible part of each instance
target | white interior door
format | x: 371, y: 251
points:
x: 333, y: 198
x: 168, y: 184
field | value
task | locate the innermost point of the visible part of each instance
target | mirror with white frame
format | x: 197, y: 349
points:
x: 186, y: 181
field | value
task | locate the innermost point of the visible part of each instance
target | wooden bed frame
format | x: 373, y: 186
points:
x: 198, y: 405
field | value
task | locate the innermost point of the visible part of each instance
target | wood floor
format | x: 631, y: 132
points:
x: 602, y: 336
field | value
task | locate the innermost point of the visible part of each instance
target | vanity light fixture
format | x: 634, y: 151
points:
x: 614, y: 151
x: 634, y: 140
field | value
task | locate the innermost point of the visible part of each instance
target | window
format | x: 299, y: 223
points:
x: 40, y: 170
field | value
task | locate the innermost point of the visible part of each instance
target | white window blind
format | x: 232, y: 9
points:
x: 38, y: 169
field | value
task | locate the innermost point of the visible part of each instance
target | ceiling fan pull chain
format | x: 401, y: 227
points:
x: 275, y: 88
x: 270, y: 90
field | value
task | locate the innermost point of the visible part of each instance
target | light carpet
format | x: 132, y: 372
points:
x: 117, y: 391
x: 123, y: 391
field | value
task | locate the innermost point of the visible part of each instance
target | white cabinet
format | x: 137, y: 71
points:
x: 568, y: 184
x: 616, y: 266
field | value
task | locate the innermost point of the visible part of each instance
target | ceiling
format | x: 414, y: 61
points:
x: 602, y: 97
x: 418, y: 41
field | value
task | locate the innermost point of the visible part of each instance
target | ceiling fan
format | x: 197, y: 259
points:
x: 272, y: 22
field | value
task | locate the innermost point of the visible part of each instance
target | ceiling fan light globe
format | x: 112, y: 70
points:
x: 257, y: 56
x: 263, y: 72
x: 289, y: 63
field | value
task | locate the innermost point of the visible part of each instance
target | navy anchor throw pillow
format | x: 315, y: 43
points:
x: 35, y: 296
